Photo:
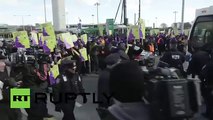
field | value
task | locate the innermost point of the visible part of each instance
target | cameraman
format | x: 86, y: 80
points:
x: 127, y: 86
x: 34, y: 76
x: 6, y: 83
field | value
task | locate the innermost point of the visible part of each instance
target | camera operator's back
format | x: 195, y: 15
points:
x: 127, y: 86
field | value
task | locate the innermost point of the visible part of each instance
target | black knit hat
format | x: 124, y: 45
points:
x: 67, y: 63
x: 126, y: 82
x: 112, y: 59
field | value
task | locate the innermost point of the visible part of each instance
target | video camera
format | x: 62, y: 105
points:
x: 30, y: 56
x: 170, y: 96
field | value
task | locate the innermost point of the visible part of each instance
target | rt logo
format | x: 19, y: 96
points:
x: 19, y: 98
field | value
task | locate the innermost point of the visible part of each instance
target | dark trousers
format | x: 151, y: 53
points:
x: 6, y: 113
x: 208, y: 98
x: 68, y: 110
x: 161, y: 49
x: 37, y: 111
x: 83, y: 67
x: 94, y: 63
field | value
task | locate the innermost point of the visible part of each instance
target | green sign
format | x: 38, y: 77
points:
x: 110, y: 25
x: 20, y: 98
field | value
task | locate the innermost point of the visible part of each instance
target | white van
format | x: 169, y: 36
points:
x: 202, y: 30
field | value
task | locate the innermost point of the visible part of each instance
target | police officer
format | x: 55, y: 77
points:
x: 68, y: 82
x: 206, y: 76
x: 198, y: 60
x: 173, y: 57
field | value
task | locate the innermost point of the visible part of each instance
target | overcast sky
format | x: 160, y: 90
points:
x: 150, y: 9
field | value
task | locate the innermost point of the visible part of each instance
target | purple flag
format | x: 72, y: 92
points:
x: 52, y: 79
x: 131, y: 36
x: 45, y: 32
x: 34, y: 41
x: 18, y: 44
x: 40, y: 42
x: 140, y: 33
x: 81, y: 58
x: 76, y: 43
x: 60, y: 42
x: 45, y: 47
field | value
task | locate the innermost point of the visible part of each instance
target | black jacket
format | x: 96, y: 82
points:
x: 103, y: 87
x: 199, y: 59
x: 206, y: 75
x: 67, y: 84
x: 174, y: 58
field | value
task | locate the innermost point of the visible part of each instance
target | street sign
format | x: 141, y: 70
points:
x: 110, y: 26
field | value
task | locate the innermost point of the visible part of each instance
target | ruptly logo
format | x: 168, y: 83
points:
x: 19, y: 98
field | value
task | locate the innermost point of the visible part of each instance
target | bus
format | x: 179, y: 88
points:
x: 201, y: 35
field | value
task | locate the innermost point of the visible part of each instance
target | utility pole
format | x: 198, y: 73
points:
x: 93, y: 19
x: 182, y: 19
x: 45, y: 11
x: 139, y: 16
x: 175, y: 12
x: 97, y: 4
x: 125, y: 13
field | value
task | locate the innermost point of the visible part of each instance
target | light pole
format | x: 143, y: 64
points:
x: 175, y: 12
x: 156, y: 21
x: 93, y: 19
x: 67, y: 18
x: 139, y: 16
x: 22, y: 19
x: 182, y: 19
x: 45, y: 11
x: 97, y: 4
x: 125, y: 12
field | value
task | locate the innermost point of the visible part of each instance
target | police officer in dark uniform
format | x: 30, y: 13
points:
x: 68, y: 81
x: 173, y: 57
x: 206, y: 76
x: 198, y: 60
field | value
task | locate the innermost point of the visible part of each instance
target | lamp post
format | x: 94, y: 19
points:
x: 175, y: 12
x: 97, y: 4
x: 93, y: 19
x: 67, y: 18
x: 22, y: 19
x: 182, y: 19
x: 45, y: 11
x: 139, y: 16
